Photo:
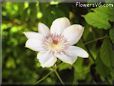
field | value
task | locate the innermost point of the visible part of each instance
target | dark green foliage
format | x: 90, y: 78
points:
x: 20, y: 64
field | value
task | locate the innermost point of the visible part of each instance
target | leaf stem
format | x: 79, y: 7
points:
x: 92, y: 57
x: 95, y: 40
x: 44, y: 77
x: 59, y: 77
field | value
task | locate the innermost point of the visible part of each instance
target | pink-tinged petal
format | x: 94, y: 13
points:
x: 73, y: 33
x: 66, y: 58
x: 46, y: 59
x: 77, y: 51
x: 59, y: 25
x: 34, y: 44
x: 43, y: 29
x: 33, y: 35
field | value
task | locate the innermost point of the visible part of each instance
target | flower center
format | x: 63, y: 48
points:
x: 55, y: 43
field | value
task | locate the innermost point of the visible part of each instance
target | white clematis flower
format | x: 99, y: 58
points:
x: 56, y: 42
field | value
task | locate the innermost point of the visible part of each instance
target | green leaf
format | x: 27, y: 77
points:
x: 97, y: 20
x: 111, y: 33
x: 107, y: 11
x: 64, y: 66
x: 101, y: 68
x: 105, y: 59
x: 105, y: 53
x: 100, y: 17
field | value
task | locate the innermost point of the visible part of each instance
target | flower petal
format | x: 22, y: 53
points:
x: 34, y: 44
x: 59, y: 25
x: 43, y: 29
x: 73, y: 33
x: 33, y: 35
x: 77, y: 51
x: 46, y: 59
x: 66, y: 58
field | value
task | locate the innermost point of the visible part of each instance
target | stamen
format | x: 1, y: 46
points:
x: 55, y: 43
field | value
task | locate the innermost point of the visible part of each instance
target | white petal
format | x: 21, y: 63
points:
x: 73, y: 33
x: 77, y: 51
x: 43, y: 29
x: 33, y: 35
x: 59, y: 25
x: 46, y: 59
x: 34, y: 44
x: 66, y: 58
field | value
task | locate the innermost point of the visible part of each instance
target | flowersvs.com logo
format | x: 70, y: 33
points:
x: 95, y: 4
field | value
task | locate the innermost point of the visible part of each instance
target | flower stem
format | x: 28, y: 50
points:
x: 43, y: 77
x: 59, y: 77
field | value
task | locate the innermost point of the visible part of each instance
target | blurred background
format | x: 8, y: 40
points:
x: 20, y: 65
